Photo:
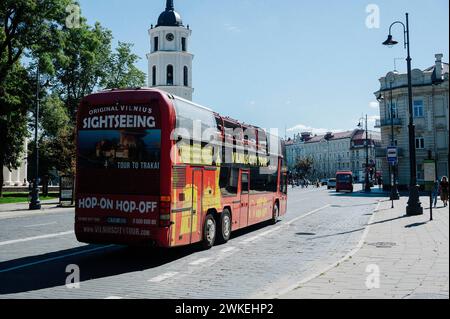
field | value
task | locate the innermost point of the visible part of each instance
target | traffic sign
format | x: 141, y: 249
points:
x: 392, y: 155
x: 429, y: 170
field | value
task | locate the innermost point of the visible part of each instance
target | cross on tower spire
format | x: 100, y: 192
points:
x: 169, y: 5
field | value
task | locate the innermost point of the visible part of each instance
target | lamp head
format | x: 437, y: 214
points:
x: 390, y: 41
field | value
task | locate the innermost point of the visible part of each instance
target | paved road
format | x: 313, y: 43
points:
x: 319, y: 229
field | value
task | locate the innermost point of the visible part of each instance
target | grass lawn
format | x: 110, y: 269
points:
x: 9, y: 198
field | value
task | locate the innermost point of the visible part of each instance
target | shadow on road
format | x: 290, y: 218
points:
x: 416, y: 225
x: 94, y: 261
x: 338, y: 234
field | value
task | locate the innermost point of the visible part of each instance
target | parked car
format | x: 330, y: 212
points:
x: 324, y: 181
x: 331, y: 183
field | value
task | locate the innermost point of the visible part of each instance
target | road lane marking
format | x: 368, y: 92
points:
x: 163, y: 277
x: 261, y: 235
x: 328, y: 268
x: 38, y: 225
x: 55, y: 258
x: 253, y: 238
x: 228, y: 249
x: 15, y: 241
x: 114, y: 297
x: 307, y: 214
x: 199, y: 261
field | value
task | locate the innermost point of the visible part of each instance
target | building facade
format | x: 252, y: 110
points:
x: 17, y: 177
x: 431, y: 118
x: 169, y: 61
x: 333, y: 152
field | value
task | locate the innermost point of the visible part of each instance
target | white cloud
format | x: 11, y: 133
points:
x: 374, y: 105
x: 373, y: 118
x: 232, y: 28
x: 304, y: 128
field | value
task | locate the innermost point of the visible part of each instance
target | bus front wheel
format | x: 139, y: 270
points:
x: 224, y: 227
x: 275, y: 214
x: 209, y: 232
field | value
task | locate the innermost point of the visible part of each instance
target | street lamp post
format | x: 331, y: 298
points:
x: 414, y: 205
x: 367, y: 187
x: 394, y: 191
x: 35, y: 203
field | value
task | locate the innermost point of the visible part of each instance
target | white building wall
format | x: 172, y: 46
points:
x: 17, y: 177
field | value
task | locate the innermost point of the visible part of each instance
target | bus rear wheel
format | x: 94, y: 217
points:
x: 275, y: 214
x: 224, y: 227
x: 209, y: 232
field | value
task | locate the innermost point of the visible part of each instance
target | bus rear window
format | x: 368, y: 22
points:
x: 119, y: 150
x: 344, y: 178
x: 124, y: 149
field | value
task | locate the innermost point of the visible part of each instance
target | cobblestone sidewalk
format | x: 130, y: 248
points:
x: 402, y: 257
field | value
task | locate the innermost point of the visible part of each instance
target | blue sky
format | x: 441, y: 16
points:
x: 294, y: 63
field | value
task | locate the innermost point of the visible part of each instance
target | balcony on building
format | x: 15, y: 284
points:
x: 388, y: 122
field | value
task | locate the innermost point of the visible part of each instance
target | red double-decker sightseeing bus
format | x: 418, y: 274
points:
x: 155, y: 169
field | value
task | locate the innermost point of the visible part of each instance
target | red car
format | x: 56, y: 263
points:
x: 344, y: 181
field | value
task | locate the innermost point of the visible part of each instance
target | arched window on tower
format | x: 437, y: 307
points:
x: 183, y: 44
x: 186, y: 76
x: 156, y: 44
x: 170, y: 74
x: 154, y: 75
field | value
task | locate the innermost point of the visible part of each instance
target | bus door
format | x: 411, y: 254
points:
x: 245, y: 200
x: 283, y: 191
x: 197, y: 207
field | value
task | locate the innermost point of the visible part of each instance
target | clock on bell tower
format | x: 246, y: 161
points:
x: 169, y: 60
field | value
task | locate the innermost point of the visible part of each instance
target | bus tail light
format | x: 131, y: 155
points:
x: 164, y: 219
x: 164, y: 211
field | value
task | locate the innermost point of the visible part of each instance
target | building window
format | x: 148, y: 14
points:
x: 154, y: 75
x: 170, y: 75
x: 156, y: 44
x: 186, y: 76
x: 394, y: 113
x: 418, y: 108
x: 183, y: 44
x: 420, y: 143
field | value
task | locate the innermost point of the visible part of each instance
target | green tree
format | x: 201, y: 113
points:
x: 122, y: 71
x: 28, y: 26
x: 304, y: 166
x: 15, y: 102
x: 82, y: 63
x: 55, y: 141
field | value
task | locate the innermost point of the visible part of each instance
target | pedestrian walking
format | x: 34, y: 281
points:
x: 436, y: 188
x: 380, y: 182
x: 444, y: 190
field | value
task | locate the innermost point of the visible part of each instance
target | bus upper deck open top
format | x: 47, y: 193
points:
x: 154, y: 169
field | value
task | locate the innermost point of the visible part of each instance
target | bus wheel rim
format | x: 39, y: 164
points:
x: 226, y: 225
x: 211, y: 230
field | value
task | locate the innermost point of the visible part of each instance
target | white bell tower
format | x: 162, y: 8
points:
x: 169, y: 60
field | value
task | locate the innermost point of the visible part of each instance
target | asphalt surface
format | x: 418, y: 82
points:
x: 39, y: 255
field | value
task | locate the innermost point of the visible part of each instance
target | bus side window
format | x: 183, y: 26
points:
x: 228, y: 181
x: 283, y: 183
